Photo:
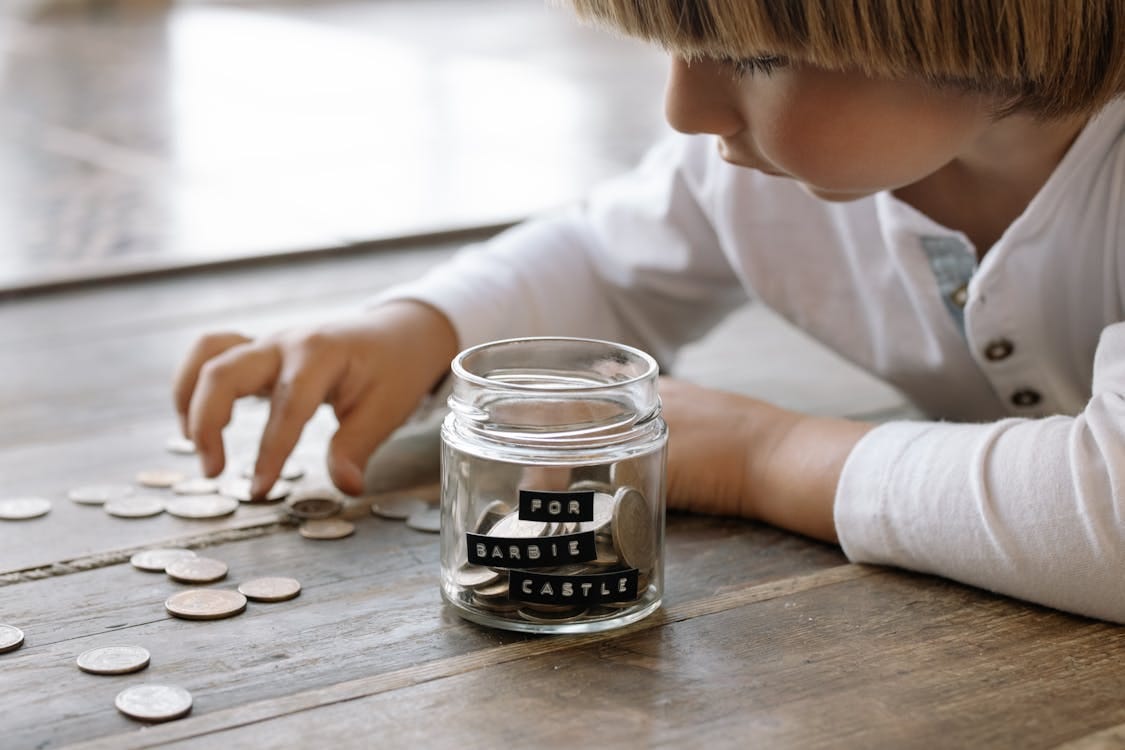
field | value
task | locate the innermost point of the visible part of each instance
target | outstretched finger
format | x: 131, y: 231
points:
x: 187, y: 375
x: 361, y: 431
x: 240, y: 371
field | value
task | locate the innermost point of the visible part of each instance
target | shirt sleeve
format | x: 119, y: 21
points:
x: 1034, y: 509
x: 639, y: 262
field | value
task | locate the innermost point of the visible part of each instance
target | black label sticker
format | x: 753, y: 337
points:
x: 556, y: 506
x: 541, y: 588
x: 531, y: 552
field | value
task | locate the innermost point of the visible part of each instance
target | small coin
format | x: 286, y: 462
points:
x: 202, y: 506
x: 180, y: 445
x: 139, y: 506
x: 327, y: 528
x: 290, y: 472
x: 24, y: 508
x: 196, y: 486
x: 428, y: 520
x: 270, y: 589
x: 496, y: 606
x: 160, y: 479
x: 98, y: 494
x: 498, y: 589
x: 471, y: 576
x: 603, y: 514
x: 239, y: 489
x: 511, y: 525
x: 546, y: 617
x: 154, y: 703
x: 11, y: 638
x: 491, y: 515
x: 157, y: 560
x: 318, y: 502
x: 633, y: 532
x: 397, y: 507
x: 592, y: 484
x: 113, y: 660
x: 205, y: 604
x: 197, y: 570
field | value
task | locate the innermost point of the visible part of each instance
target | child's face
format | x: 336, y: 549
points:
x: 841, y: 134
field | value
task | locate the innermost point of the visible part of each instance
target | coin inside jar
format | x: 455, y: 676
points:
x: 511, y: 525
x: 156, y: 560
x: 470, y: 576
x: 205, y: 604
x: 633, y: 534
x: 197, y: 570
x: 113, y: 660
x: 271, y: 589
x: 153, y: 703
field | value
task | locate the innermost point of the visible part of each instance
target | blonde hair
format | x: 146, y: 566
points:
x: 1049, y: 57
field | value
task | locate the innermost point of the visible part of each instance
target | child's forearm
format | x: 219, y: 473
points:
x: 794, y: 467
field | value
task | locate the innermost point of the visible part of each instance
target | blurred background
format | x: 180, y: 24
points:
x: 148, y: 135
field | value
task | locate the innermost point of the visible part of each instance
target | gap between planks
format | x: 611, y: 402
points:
x: 1112, y: 738
x: 265, y: 710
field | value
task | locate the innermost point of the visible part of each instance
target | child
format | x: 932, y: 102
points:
x: 932, y: 190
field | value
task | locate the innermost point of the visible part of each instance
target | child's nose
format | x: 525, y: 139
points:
x: 701, y: 98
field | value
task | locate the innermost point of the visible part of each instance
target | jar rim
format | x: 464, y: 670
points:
x: 651, y: 368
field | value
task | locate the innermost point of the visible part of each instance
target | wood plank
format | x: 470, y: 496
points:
x: 886, y: 660
x: 370, y: 606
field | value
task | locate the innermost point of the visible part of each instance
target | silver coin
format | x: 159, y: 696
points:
x: 160, y: 479
x: 180, y: 445
x: 239, y: 489
x: 11, y: 638
x: 202, y: 506
x: 472, y: 576
x: 428, y: 520
x: 274, y: 589
x: 24, y: 508
x: 397, y: 507
x: 592, y: 484
x: 139, y: 506
x: 603, y: 514
x: 496, y: 606
x: 98, y: 494
x: 157, y: 560
x: 327, y: 528
x: 544, y: 616
x: 511, y: 526
x: 205, y: 604
x: 154, y: 703
x: 290, y: 472
x: 633, y: 532
x: 196, y: 486
x: 491, y: 516
x: 319, y: 502
x: 497, y: 589
x: 628, y: 473
x: 197, y: 570
x: 113, y: 660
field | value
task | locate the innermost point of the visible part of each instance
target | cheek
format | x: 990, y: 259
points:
x: 862, y: 142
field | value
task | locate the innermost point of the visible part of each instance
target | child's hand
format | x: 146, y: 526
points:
x: 733, y: 455
x: 374, y: 370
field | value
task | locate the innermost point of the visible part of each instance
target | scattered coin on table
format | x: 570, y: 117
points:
x: 159, y: 479
x: 99, y: 494
x: 327, y: 528
x: 239, y: 489
x: 290, y: 472
x: 181, y: 446
x: 205, y: 604
x: 201, y: 506
x: 154, y: 703
x: 196, y: 486
x: 24, y: 508
x: 157, y: 560
x: 397, y: 507
x: 428, y: 519
x: 113, y: 660
x: 318, y: 502
x: 270, y: 589
x: 11, y: 638
x: 197, y: 570
x: 138, y: 506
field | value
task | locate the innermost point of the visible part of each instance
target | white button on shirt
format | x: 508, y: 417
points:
x: 1018, y: 485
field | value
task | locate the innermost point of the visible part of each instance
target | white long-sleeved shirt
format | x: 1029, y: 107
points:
x: 1018, y: 486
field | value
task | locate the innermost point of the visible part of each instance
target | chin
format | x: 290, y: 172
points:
x: 836, y: 196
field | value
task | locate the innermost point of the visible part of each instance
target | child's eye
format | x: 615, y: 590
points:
x: 763, y: 65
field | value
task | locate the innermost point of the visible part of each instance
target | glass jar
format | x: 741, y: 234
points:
x: 553, y: 462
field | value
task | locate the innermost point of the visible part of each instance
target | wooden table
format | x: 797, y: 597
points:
x: 765, y: 639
